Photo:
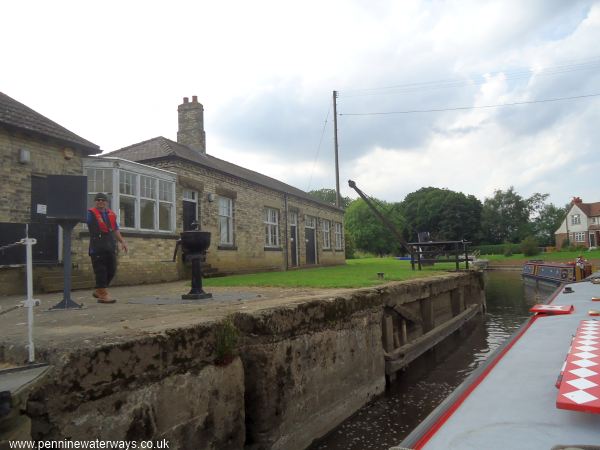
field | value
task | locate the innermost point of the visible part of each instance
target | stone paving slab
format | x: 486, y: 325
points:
x: 140, y: 310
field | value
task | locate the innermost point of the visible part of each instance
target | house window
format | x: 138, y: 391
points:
x: 271, y: 227
x: 127, y: 199
x: 575, y: 219
x: 166, y: 199
x: 225, y: 221
x: 593, y: 220
x: 145, y: 200
x: 326, y: 233
x: 99, y: 180
x: 579, y: 237
x: 338, y: 236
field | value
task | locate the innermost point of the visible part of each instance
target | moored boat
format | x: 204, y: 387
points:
x: 554, y: 272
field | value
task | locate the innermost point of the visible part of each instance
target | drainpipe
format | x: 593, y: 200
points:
x: 285, y: 249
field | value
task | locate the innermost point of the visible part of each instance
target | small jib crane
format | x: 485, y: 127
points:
x: 420, y: 252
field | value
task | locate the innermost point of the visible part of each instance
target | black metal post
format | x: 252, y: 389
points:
x: 67, y: 226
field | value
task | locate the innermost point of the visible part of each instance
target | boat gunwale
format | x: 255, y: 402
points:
x: 436, y: 419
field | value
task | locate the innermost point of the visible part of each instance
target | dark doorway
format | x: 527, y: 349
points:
x: 310, y: 226
x: 191, y: 208
x: 294, y: 238
x: 42, y: 229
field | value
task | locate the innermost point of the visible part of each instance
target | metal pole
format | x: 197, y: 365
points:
x: 30, y: 302
x: 335, y: 139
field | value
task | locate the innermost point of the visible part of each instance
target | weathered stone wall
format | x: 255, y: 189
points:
x: 161, y: 387
x: 303, y: 367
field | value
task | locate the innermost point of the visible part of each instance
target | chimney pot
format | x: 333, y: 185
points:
x: 195, y: 98
x: 185, y: 99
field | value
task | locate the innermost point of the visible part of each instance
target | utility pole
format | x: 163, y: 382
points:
x: 335, y: 139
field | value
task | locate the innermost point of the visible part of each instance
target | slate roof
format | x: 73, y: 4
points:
x: 161, y: 147
x: 16, y: 115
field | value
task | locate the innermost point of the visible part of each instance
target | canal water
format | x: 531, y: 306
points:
x: 389, y: 418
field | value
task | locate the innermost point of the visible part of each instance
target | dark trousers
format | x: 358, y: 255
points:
x: 105, y: 267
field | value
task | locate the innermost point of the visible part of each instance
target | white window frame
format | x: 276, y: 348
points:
x: 271, y: 221
x: 575, y: 219
x: 326, y: 229
x: 579, y: 236
x: 225, y: 215
x: 163, y: 181
x: 339, y: 236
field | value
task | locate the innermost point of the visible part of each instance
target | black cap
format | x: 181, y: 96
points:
x: 100, y: 196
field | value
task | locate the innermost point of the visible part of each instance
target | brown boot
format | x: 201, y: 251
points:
x: 104, y: 296
x: 97, y: 293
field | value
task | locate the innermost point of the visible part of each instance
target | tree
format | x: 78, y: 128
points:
x: 547, y: 222
x: 328, y: 195
x: 445, y: 214
x: 505, y: 217
x: 366, y: 230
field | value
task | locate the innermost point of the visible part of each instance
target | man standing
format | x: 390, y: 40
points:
x: 104, y: 232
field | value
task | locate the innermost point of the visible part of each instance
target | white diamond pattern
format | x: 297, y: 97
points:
x: 582, y: 371
x: 580, y: 397
x: 582, y: 383
x: 586, y: 348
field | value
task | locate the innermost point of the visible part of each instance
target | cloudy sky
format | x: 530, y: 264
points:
x: 115, y: 71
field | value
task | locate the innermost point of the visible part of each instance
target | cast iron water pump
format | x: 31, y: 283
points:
x: 194, y: 244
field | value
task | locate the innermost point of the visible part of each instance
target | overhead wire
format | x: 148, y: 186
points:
x: 459, y: 108
x: 318, y: 148
x: 456, y: 83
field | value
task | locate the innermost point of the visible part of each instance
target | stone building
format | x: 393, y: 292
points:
x: 31, y: 148
x: 581, y: 225
x: 158, y: 188
x: 257, y: 222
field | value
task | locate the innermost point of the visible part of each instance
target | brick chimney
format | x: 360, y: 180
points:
x: 577, y: 200
x: 191, y: 124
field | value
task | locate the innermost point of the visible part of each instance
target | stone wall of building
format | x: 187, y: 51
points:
x: 250, y: 200
x: 46, y: 159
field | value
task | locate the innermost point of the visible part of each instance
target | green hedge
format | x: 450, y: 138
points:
x: 497, y: 249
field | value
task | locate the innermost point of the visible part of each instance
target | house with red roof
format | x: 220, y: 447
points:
x: 581, y: 226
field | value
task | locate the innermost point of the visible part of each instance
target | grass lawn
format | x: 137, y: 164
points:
x: 355, y: 273
x: 592, y: 256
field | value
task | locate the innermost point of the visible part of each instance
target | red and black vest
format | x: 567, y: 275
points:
x: 102, y: 239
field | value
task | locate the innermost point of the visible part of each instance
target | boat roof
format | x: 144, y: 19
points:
x: 510, y: 402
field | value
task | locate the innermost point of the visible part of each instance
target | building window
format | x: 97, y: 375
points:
x: 225, y: 221
x: 338, y: 236
x: 166, y: 199
x: 326, y: 233
x: 310, y: 222
x: 575, y: 219
x: 145, y: 200
x: 99, y: 180
x: 579, y: 237
x: 127, y: 199
x: 271, y: 227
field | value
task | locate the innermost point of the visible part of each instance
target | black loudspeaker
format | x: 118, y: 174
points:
x: 67, y: 197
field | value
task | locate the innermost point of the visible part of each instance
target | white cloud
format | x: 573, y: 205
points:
x: 114, y: 73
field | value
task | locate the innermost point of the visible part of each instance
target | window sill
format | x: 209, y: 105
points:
x: 227, y: 247
x: 327, y: 250
x: 141, y: 234
x: 273, y: 249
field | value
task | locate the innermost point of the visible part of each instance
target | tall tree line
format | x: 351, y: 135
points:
x: 506, y: 216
